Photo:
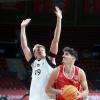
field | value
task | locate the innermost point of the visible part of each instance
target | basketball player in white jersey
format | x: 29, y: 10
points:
x: 43, y: 63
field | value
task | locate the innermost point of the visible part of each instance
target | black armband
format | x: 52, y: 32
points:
x: 51, y: 54
x: 50, y: 63
x: 31, y: 60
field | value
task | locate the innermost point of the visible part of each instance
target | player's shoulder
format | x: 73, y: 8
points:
x: 81, y: 72
x: 80, y: 69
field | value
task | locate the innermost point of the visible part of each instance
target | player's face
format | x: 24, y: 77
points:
x: 67, y: 58
x: 39, y: 52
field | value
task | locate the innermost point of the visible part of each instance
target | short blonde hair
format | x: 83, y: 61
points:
x: 38, y: 46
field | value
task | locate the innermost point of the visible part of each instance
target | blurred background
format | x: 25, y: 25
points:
x: 80, y: 30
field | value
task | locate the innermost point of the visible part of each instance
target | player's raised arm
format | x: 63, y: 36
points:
x: 57, y: 32
x: 23, y: 39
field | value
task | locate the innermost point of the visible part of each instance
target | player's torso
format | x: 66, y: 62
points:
x: 63, y: 79
x: 41, y: 71
x: 40, y: 75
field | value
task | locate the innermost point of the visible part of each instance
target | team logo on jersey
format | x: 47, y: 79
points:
x: 37, y: 72
x: 38, y: 65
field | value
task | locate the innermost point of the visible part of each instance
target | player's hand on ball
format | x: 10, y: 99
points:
x: 78, y: 95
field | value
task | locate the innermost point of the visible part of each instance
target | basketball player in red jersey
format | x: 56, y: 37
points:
x: 67, y: 74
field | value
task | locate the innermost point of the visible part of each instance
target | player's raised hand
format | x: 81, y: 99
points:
x: 25, y: 22
x: 58, y: 12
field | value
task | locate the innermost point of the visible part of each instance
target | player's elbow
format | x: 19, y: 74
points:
x: 47, y: 90
x: 87, y: 92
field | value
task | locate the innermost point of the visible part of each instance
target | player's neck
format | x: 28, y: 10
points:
x: 68, y: 68
x: 39, y: 58
x: 69, y: 71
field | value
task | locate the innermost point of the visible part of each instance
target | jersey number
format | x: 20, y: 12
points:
x: 37, y: 72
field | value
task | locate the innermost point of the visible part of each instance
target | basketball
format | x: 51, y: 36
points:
x: 69, y: 92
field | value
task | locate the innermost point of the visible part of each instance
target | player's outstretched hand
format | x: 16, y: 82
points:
x: 25, y: 22
x: 58, y: 12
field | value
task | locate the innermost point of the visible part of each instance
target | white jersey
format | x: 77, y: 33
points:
x: 40, y: 73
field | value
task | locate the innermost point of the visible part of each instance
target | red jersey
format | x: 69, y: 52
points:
x: 62, y: 80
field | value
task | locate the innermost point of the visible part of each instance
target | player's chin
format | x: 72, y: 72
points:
x: 63, y: 60
x: 42, y: 56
